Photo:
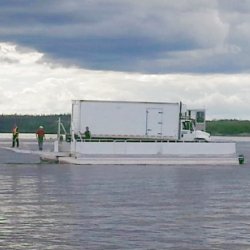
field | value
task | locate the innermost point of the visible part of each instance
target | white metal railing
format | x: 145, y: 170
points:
x: 60, y: 126
x: 124, y: 140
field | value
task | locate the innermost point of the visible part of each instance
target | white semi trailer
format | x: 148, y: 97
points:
x: 134, y: 120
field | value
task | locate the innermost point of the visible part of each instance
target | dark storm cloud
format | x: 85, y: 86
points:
x: 125, y: 35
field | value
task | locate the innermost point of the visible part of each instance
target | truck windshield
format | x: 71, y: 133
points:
x: 187, y: 125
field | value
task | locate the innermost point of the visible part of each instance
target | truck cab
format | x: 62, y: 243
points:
x: 189, y: 133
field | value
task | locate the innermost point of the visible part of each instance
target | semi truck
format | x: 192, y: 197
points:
x: 134, y: 120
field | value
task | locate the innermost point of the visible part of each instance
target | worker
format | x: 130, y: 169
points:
x: 15, y: 137
x: 40, y: 135
x: 87, y: 134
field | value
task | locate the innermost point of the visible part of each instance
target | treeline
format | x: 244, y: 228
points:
x: 228, y: 127
x: 30, y: 123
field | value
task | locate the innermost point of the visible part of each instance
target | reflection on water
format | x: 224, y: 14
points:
x: 124, y: 207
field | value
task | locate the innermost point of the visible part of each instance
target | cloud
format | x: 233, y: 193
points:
x: 32, y: 84
x: 134, y: 36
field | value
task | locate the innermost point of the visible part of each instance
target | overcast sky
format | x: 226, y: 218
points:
x: 194, y: 51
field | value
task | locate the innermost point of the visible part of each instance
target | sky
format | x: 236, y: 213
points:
x: 194, y: 51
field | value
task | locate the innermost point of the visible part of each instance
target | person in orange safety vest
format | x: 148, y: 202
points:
x: 40, y: 135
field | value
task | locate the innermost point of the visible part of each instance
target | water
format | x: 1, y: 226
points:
x: 125, y: 207
x: 4, y: 136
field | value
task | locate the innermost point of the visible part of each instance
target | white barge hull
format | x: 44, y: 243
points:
x: 152, y: 148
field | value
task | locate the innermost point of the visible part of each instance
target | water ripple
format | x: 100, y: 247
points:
x: 133, y: 207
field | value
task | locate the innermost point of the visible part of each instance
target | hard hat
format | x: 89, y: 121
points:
x: 41, y: 127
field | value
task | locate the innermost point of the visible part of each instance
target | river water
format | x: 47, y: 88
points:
x: 46, y: 206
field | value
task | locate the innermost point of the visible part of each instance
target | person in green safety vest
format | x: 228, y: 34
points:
x: 87, y: 134
x: 15, y: 137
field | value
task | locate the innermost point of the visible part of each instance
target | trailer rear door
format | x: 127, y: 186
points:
x: 154, y: 121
